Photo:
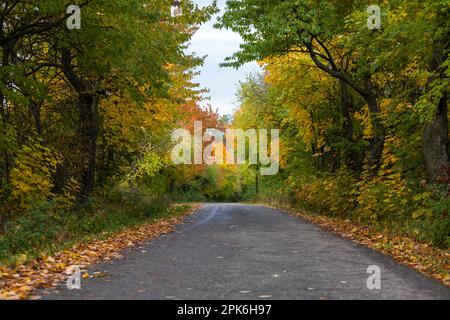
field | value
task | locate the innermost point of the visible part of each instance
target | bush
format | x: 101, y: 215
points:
x: 31, y: 176
x: 331, y: 194
x: 385, y: 201
x: 440, y: 233
x: 214, y: 183
x: 382, y: 199
x: 431, y: 214
x: 46, y: 227
x: 33, y: 230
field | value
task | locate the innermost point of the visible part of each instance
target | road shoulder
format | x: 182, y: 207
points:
x: 430, y: 261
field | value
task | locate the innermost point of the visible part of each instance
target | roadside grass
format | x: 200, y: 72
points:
x: 44, y: 231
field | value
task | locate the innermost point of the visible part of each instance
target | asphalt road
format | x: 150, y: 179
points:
x: 234, y: 251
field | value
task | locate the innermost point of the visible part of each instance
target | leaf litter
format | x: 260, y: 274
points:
x: 49, y: 271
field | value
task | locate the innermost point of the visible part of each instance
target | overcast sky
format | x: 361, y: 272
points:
x: 217, y: 45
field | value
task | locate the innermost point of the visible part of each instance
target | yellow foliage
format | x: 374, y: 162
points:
x: 386, y: 194
x: 32, y: 172
x: 331, y: 194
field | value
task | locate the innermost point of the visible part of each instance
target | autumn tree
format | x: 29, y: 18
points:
x: 136, y: 65
x: 62, y: 89
x: 273, y: 28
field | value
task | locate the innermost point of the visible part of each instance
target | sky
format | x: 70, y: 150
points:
x: 217, y: 45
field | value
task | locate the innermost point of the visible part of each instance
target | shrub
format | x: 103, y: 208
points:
x: 331, y: 194
x: 29, y: 231
x: 31, y: 176
x: 384, y: 197
x: 431, y: 215
x: 47, y: 227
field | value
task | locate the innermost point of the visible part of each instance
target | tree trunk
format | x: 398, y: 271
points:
x: 7, y: 52
x: 36, y: 112
x: 346, y: 113
x: 257, y: 181
x: 88, y: 100
x: 367, y: 93
x: 352, y: 157
x: 435, y: 143
x: 379, y: 134
x: 89, y: 128
x: 5, y: 173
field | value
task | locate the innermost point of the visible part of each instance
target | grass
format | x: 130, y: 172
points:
x: 42, y: 231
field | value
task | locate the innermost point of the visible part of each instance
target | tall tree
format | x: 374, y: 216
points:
x: 116, y: 49
x: 271, y: 28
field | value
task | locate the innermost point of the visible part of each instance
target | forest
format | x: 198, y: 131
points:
x: 363, y: 112
x: 87, y: 115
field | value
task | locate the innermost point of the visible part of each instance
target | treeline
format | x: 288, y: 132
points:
x: 363, y: 113
x: 88, y: 112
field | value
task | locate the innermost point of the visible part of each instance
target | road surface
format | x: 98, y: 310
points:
x: 234, y: 251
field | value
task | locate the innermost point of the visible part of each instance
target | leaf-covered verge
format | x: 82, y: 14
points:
x: 49, y: 270
x: 428, y: 260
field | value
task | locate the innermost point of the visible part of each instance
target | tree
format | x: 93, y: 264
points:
x: 96, y: 68
x: 273, y: 28
x: 59, y: 87
x: 24, y: 26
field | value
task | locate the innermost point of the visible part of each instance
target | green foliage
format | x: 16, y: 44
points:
x: 86, y: 114
x: 32, y: 173
x: 430, y: 215
x: 214, y: 183
x: 44, y: 229
x: 104, y: 96
x: 35, y: 230
x: 329, y: 194
x: 439, y: 232
x: 363, y: 114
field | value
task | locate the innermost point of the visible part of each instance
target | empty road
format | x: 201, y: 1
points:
x: 234, y: 251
